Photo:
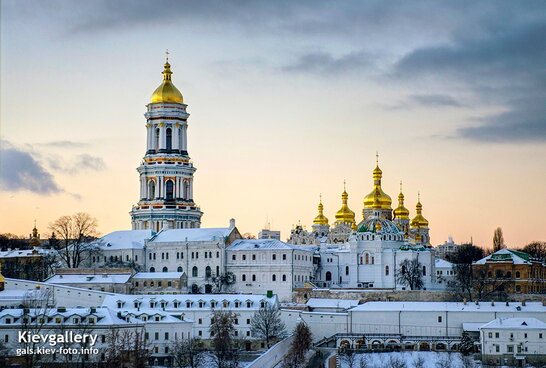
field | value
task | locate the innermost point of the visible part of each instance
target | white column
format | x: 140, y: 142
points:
x: 156, y: 194
x: 184, y: 137
x: 191, y: 189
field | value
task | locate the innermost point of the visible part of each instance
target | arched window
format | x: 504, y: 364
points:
x: 373, y: 260
x: 208, y: 272
x: 284, y: 277
x: 151, y: 189
x: 169, y: 139
x: 360, y: 259
x: 186, y: 190
x: 165, y: 269
x: 367, y: 258
x: 387, y: 270
x: 194, y: 272
x: 517, y: 275
x: 328, y: 276
x: 156, y: 140
x: 273, y: 277
x: 179, y: 269
x: 169, y: 186
x: 346, y: 270
x: 152, y: 269
x: 424, y: 270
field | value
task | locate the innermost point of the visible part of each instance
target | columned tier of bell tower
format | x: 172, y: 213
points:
x: 166, y: 171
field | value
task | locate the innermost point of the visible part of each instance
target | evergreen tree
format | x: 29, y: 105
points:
x: 467, y: 343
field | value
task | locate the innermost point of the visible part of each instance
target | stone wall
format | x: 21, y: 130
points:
x: 303, y: 294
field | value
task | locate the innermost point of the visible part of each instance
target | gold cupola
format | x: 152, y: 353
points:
x: 345, y: 214
x: 401, y: 212
x: 320, y: 219
x: 167, y: 92
x: 377, y: 199
x: 419, y: 221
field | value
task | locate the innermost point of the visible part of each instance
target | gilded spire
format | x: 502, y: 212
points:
x: 401, y: 212
x: 377, y: 199
x: 419, y: 221
x: 345, y: 214
x: 320, y: 219
x: 167, y: 92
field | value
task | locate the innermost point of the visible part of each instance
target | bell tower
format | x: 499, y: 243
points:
x: 166, y: 171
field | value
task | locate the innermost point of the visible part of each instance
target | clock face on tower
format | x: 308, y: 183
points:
x: 166, y: 171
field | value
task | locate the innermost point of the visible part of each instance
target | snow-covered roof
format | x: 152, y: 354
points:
x: 527, y: 323
x: 442, y: 263
x: 450, y: 307
x: 89, y: 279
x: 124, y: 239
x: 158, y: 275
x: 20, y: 294
x: 331, y: 303
x: 506, y: 255
x: 128, y: 301
x: 13, y: 253
x: 192, y: 235
x: 251, y: 244
x: 472, y: 326
x: 103, y: 316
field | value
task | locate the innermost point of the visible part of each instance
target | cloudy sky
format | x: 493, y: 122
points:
x: 287, y: 100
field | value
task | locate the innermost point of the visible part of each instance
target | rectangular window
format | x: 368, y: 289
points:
x: 497, y: 348
x: 166, y: 335
x: 156, y: 335
x: 439, y: 319
x: 490, y: 335
x: 510, y: 348
x: 497, y: 335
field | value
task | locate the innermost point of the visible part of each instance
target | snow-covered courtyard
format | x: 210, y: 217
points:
x: 413, y: 359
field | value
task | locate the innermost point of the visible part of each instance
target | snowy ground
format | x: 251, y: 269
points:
x: 409, y: 359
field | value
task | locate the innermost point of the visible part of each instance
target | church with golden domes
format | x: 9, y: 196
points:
x: 166, y: 172
x: 368, y: 254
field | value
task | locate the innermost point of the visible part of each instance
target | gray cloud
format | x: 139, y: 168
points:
x: 79, y: 163
x: 20, y: 171
x: 63, y: 144
x: 323, y: 62
x: 425, y: 100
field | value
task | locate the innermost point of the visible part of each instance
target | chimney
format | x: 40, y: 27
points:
x: 507, y: 304
x: 231, y: 223
x: 477, y: 303
x: 492, y: 303
x: 464, y: 301
x: 523, y: 303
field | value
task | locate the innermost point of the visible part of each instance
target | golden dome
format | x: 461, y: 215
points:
x: 167, y: 92
x: 419, y: 221
x: 320, y: 219
x: 401, y: 212
x: 345, y: 214
x: 377, y: 199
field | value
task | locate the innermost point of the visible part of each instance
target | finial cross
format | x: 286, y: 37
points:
x: 167, y: 55
x: 377, y: 157
x: 344, y: 185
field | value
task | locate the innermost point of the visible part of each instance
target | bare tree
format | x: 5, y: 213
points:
x: 467, y: 361
x: 498, y: 240
x: 187, y: 353
x: 127, y: 346
x: 222, y: 330
x: 266, y: 324
x: 536, y: 249
x: 34, y: 317
x: 395, y: 362
x: 419, y: 362
x: 222, y: 282
x: 75, y: 234
x: 444, y: 362
x: 301, y: 343
x: 463, y: 280
x: 410, y: 274
x: 349, y: 357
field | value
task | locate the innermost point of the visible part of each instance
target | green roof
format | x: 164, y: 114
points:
x: 520, y: 254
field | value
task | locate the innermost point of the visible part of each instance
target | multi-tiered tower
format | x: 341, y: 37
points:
x: 166, y: 172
